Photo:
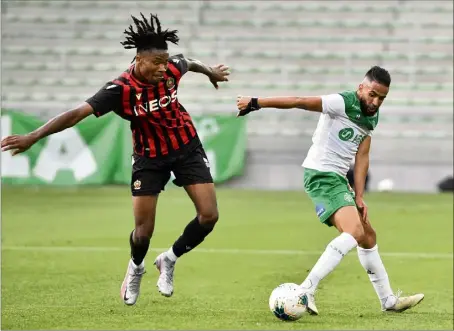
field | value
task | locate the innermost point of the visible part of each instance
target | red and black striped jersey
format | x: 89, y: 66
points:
x: 159, y: 123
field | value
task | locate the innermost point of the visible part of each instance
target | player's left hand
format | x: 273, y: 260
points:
x: 362, y: 208
x: 219, y: 73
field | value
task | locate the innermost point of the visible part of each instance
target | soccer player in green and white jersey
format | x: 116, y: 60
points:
x: 343, y: 133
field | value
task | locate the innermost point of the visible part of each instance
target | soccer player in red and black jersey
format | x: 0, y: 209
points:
x: 165, y: 140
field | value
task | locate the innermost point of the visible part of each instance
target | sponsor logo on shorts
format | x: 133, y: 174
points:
x: 319, y: 210
x: 207, y: 163
x: 348, y: 197
x: 137, y: 185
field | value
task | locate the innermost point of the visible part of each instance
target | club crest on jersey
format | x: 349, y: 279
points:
x: 137, y: 185
x: 170, y: 83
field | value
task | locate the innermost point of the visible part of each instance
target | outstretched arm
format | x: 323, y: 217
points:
x: 20, y: 143
x: 107, y: 99
x: 198, y: 66
x: 216, y: 74
x: 307, y: 103
x: 248, y: 104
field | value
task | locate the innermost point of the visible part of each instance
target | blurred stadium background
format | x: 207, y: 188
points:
x: 57, y: 53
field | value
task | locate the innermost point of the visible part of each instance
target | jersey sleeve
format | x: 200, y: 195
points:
x: 180, y: 63
x: 333, y: 105
x: 107, y: 99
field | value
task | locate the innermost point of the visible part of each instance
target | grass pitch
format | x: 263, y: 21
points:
x: 65, y: 252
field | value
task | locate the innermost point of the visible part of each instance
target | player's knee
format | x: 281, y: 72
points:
x: 209, y: 216
x: 357, y: 231
x: 370, y: 238
x: 347, y: 220
x: 371, y: 234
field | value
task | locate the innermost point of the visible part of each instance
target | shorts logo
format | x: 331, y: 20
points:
x: 170, y: 83
x: 207, y: 163
x: 319, y: 210
x: 137, y: 185
x: 348, y: 197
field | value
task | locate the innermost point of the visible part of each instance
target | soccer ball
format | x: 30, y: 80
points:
x: 287, y: 302
x: 385, y: 185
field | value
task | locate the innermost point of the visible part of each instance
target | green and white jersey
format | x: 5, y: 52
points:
x: 341, y: 128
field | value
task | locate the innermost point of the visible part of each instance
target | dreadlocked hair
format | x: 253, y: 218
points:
x: 148, y: 35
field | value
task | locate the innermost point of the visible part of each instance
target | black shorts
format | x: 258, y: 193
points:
x: 150, y: 176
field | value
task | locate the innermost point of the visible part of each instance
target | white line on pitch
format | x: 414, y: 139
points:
x: 217, y: 251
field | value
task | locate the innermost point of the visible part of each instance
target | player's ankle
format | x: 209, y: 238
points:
x: 171, y: 255
x: 309, y: 286
x: 389, y: 301
x: 135, y: 265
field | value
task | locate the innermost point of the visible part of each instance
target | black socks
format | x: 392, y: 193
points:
x: 192, y: 236
x: 139, y: 248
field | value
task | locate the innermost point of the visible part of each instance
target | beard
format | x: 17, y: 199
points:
x: 367, y: 110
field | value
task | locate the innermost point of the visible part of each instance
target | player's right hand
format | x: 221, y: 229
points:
x: 362, y: 208
x: 17, y: 143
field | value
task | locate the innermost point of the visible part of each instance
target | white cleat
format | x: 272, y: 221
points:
x: 311, y: 307
x: 165, y: 280
x: 130, y: 288
x: 404, y: 303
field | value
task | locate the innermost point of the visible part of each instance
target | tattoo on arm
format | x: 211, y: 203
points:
x: 197, y: 66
